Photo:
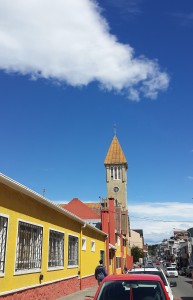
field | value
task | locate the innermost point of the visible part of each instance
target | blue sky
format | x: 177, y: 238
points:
x: 69, y: 71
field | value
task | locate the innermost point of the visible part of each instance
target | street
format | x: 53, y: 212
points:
x: 184, y: 288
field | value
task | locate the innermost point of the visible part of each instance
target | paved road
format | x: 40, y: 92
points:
x: 184, y: 288
x: 183, y: 291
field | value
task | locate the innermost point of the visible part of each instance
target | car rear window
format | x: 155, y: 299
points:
x: 130, y: 289
x: 159, y: 273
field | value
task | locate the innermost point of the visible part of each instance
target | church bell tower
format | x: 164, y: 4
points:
x: 116, y: 174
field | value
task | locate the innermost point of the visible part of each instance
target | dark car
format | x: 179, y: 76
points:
x: 149, y: 265
x: 167, y: 264
x: 189, y: 270
x: 182, y: 271
x: 131, y: 286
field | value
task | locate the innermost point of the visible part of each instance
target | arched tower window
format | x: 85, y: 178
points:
x: 115, y: 172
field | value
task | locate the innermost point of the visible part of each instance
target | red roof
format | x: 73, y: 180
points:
x: 80, y: 209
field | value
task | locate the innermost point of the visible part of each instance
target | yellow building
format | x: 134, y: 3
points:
x: 44, y: 249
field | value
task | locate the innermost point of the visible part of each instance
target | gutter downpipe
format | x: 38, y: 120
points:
x: 80, y: 270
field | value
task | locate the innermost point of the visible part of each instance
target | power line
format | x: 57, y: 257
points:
x: 161, y: 220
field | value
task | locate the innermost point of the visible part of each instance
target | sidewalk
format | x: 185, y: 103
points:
x: 80, y: 295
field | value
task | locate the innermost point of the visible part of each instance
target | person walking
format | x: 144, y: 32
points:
x: 100, y: 272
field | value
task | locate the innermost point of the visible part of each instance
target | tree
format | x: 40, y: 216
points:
x: 152, y: 250
x: 137, y: 253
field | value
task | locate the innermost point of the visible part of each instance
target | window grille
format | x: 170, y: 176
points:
x: 3, y: 239
x: 72, y: 250
x: 29, y: 247
x: 56, y: 249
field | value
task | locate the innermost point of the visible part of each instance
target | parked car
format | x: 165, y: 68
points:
x: 149, y: 265
x: 189, y: 270
x: 167, y: 264
x: 160, y: 273
x: 173, y: 264
x: 157, y: 262
x: 182, y: 271
x: 171, y: 272
x: 131, y: 286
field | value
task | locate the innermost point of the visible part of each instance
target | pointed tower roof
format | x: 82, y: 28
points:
x: 115, y: 154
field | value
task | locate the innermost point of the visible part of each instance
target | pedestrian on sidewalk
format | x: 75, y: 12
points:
x: 100, y: 272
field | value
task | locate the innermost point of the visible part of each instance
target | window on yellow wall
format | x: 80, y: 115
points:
x: 3, y: 240
x: 92, y: 246
x: 110, y: 258
x: 72, y: 250
x: 118, y: 262
x: 83, y: 244
x: 29, y: 247
x: 102, y: 255
x: 56, y: 249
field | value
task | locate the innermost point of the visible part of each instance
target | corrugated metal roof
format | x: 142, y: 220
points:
x: 115, y: 153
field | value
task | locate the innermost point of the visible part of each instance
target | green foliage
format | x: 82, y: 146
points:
x: 137, y: 253
x: 152, y: 249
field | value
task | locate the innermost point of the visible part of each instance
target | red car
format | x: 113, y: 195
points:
x: 131, y: 287
x: 157, y: 262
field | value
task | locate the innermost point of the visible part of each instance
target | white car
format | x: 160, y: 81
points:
x: 158, y: 272
x: 173, y: 264
x: 171, y: 272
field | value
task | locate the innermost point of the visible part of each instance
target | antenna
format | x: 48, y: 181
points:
x: 115, y: 129
x: 44, y: 190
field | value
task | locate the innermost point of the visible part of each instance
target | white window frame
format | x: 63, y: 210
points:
x: 73, y: 248
x: 83, y: 244
x: 56, y: 249
x: 3, y: 242
x: 92, y: 246
x: 26, y: 244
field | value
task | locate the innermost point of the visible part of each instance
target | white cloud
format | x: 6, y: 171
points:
x: 158, y: 219
x: 70, y: 42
